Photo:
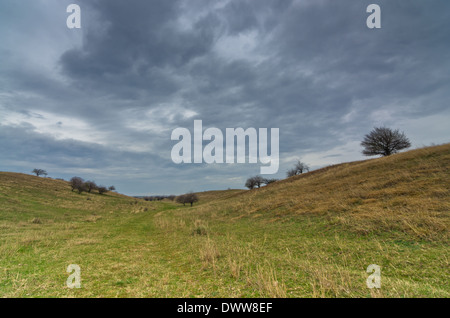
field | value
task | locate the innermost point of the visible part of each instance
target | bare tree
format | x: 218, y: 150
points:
x: 254, y: 182
x: 291, y: 172
x: 102, y: 189
x: 384, y: 141
x: 181, y: 199
x: 82, y: 188
x: 39, y: 172
x: 191, y: 198
x: 299, y: 168
x: 259, y: 181
x: 76, y: 183
x: 187, y: 198
x: 90, y: 185
x: 269, y: 181
x: 250, y: 183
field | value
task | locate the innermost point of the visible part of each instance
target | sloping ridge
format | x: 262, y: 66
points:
x: 20, y: 183
x: 25, y: 196
x: 408, y: 191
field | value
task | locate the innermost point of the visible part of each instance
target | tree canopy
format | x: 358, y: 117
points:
x: 384, y: 141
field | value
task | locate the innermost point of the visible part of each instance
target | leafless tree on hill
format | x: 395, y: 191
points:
x: 39, y: 172
x: 90, y: 185
x: 299, y: 168
x: 384, y: 141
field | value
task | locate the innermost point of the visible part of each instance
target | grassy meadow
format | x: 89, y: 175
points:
x: 311, y: 235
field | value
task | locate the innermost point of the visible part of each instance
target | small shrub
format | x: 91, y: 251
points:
x: 102, y: 189
x: 200, y: 230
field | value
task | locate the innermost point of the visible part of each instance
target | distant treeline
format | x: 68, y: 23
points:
x: 80, y: 185
x: 158, y: 197
x: 190, y: 198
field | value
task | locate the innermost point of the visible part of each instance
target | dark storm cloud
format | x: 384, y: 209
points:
x: 139, y: 43
x: 139, y: 69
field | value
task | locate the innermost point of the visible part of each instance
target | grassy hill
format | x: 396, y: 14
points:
x: 312, y: 235
x: 208, y: 196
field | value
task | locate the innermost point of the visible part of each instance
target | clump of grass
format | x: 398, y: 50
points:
x: 209, y: 253
x: 235, y: 266
x: 322, y: 283
x: 200, y: 228
x: 268, y: 283
x: 85, y: 241
x: 161, y: 222
x: 36, y: 221
x: 93, y: 218
x: 200, y: 231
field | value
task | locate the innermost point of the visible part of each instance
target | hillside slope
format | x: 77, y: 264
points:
x: 315, y: 234
x: 407, y: 192
x: 208, y: 196
x: 25, y: 196
x: 312, y: 235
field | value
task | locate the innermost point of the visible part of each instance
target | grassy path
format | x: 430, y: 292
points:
x: 180, y: 253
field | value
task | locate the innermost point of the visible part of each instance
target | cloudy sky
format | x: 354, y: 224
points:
x: 101, y: 102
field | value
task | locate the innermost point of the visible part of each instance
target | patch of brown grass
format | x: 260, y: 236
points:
x: 405, y: 193
x: 209, y: 253
x: 268, y: 283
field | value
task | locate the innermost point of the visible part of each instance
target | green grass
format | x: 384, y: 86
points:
x: 309, y: 236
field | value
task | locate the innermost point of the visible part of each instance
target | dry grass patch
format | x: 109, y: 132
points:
x: 84, y: 241
x: 200, y: 227
x: 209, y: 254
x: 93, y: 218
x: 268, y: 283
x: 36, y: 221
